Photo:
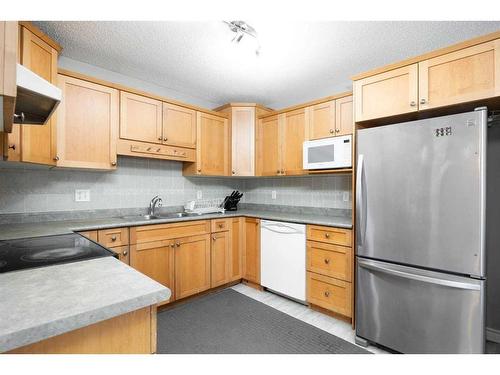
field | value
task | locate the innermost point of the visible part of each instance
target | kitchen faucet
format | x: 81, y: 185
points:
x: 155, y: 202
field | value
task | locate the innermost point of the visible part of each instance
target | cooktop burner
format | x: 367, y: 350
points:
x: 49, y: 250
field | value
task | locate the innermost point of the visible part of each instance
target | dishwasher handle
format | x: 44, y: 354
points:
x: 280, y: 228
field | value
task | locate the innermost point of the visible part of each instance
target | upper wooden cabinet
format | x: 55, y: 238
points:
x: 344, y: 116
x: 391, y: 93
x: 463, y: 76
x: 37, y: 143
x: 269, y: 146
x: 294, y: 131
x: 322, y: 120
x: 212, y: 147
x: 179, y: 126
x: 140, y: 118
x: 87, y: 124
x: 463, y: 73
x: 8, y: 89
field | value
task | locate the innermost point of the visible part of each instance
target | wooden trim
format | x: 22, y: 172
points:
x: 251, y: 284
x: 307, y: 104
x: 8, y: 57
x: 332, y: 314
x: 118, y: 86
x: 154, y: 327
x: 229, y: 105
x: 39, y: 33
x: 330, y: 171
x: 429, y: 55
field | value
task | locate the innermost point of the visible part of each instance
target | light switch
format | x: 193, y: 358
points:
x: 273, y: 194
x: 82, y: 195
x: 199, y: 194
x: 345, y: 196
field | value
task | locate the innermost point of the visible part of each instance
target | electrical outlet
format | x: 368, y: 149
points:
x: 82, y: 195
x: 273, y: 194
x: 199, y: 194
x: 345, y: 196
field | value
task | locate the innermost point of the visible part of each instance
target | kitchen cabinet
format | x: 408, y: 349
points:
x: 252, y: 250
x: 329, y: 293
x: 156, y: 260
x: 8, y: 90
x: 387, y: 94
x: 220, y: 258
x: 35, y: 143
x: 87, y: 124
x: 237, y: 246
x: 294, y: 131
x: 344, y: 116
x: 212, y: 147
x: 140, y: 118
x: 322, y: 120
x: 336, y: 236
x: 192, y: 265
x: 462, y: 76
x: 160, y: 232
x: 329, y: 260
x: 269, y: 146
x: 179, y: 126
x: 117, y: 240
x: 90, y: 234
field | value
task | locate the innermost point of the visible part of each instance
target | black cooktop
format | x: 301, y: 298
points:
x: 46, y: 251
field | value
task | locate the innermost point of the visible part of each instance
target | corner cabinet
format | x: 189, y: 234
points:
x: 212, y: 147
x: 87, y: 124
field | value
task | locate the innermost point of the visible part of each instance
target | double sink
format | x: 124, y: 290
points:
x: 171, y: 215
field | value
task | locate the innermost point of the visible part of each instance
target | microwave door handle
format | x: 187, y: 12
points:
x: 361, y: 201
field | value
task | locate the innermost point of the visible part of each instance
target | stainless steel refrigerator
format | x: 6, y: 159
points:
x: 420, y: 217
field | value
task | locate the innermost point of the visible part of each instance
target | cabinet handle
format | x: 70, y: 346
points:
x: 113, y: 163
x: 327, y: 294
x: 423, y: 101
x: 56, y: 158
x: 214, y: 238
x: 158, y: 149
x: 233, y: 172
x: 172, y: 245
x: 12, y: 146
x: 278, y: 171
x: 327, y: 235
x: 331, y: 131
x: 113, y: 238
x: 327, y: 261
x: 199, y: 170
x: 125, y: 252
x: 337, y: 131
x: 413, y: 104
x: 165, y: 139
x: 159, y: 138
x: 282, y: 171
x: 178, y: 244
x: 221, y: 225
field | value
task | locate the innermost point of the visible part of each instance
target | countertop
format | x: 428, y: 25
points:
x: 14, y: 231
x: 43, y: 302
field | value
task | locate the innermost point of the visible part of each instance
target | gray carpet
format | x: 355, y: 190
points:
x: 230, y: 322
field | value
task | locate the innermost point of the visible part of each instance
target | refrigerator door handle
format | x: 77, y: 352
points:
x: 360, y: 202
x: 407, y: 275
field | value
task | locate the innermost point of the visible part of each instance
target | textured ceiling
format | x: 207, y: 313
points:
x: 299, y: 61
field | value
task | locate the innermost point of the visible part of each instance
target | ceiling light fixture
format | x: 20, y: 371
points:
x: 241, y: 28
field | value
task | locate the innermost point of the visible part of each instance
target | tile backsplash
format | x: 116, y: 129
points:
x: 27, y: 188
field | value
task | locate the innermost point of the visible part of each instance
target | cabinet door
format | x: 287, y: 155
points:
x: 140, y: 118
x: 179, y: 126
x: 344, y: 123
x: 252, y: 250
x: 192, y: 265
x: 212, y: 152
x: 87, y: 124
x: 466, y: 75
x: 220, y: 258
x: 269, y: 146
x: 295, y: 132
x: 237, y: 246
x: 386, y: 94
x: 243, y: 141
x: 322, y: 120
x: 156, y: 260
x: 38, y: 143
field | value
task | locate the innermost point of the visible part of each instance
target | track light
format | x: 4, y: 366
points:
x: 241, y: 28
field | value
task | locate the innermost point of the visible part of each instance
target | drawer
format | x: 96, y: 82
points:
x: 329, y: 293
x: 160, y: 232
x: 113, y: 237
x: 329, y: 260
x: 221, y: 225
x: 90, y: 234
x: 123, y: 253
x: 337, y: 236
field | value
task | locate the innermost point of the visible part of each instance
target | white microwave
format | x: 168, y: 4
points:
x: 328, y: 153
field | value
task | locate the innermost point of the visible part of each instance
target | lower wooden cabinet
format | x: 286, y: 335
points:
x: 156, y: 260
x: 192, y: 265
x: 220, y: 258
x: 329, y: 293
x: 329, y: 260
x: 252, y: 250
x: 237, y: 246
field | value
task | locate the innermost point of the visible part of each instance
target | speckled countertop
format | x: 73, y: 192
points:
x: 39, y: 303
x: 24, y: 230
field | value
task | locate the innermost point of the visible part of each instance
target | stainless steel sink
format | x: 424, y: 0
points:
x: 170, y: 215
x: 140, y: 217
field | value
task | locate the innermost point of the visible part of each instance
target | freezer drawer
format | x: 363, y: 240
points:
x: 418, y: 311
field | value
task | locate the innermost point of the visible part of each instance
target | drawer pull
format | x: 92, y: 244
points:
x: 327, y: 261
x: 214, y: 238
x: 125, y: 252
x: 172, y: 245
x: 327, y: 294
x: 178, y: 244
x: 327, y: 235
x: 221, y: 225
x: 113, y: 238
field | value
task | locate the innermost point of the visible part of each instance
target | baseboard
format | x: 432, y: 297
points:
x: 493, y: 335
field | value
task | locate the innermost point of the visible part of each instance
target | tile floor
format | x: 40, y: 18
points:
x: 327, y: 323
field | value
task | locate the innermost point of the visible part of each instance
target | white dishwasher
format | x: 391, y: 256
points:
x: 283, y: 258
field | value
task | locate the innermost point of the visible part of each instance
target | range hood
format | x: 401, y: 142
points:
x: 36, y: 98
